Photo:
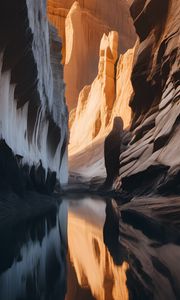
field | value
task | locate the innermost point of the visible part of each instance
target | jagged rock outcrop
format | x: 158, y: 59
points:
x: 152, y: 159
x: 85, y: 22
x: 33, y: 114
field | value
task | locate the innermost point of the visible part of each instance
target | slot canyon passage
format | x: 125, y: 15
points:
x: 89, y: 150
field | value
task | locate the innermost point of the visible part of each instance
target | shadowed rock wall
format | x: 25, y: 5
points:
x: 152, y: 159
x: 33, y: 113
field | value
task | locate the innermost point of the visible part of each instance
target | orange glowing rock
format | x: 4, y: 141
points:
x: 81, y: 25
x: 106, y: 98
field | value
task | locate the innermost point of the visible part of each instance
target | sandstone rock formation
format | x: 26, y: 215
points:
x: 96, y: 101
x: 99, y: 104
x: 57, y: 15
x: 84, y: 23
x: 33, y: 114
x: 152, y: 158
x: 153, y: 151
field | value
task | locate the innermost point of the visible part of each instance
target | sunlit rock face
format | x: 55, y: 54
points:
x: 99, y: 103
x: 124, y: 88
x: 85, y: 22
x: 33, y: 114
x: 96, y: 101
x: 153, y: 155
x: 95, y: 276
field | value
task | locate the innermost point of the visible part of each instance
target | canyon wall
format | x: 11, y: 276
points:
x: 152, y: 158
x: 145, y: 229
x: 107, y: 97
x: 98, y: 104
x: 145, y: 94
x: 81, y: 25
x: 33, y: 113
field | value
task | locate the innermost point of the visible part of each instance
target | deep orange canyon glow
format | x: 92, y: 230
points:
x: 98, y: 39
x: 93, y: 266
x: 81, y: 25
x: 89, y: 150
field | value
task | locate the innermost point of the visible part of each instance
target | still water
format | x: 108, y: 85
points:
x: 80, y: 252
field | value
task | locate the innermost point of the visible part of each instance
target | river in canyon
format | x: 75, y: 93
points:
x: 81, y: 251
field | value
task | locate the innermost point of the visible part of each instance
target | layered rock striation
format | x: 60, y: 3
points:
x: 33, y: 113
x: 152, y: 158
x: 81, y: 25
x: 146, y: 229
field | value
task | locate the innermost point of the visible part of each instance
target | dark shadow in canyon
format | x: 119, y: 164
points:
x: 146, y: 236
x: 33, y: 254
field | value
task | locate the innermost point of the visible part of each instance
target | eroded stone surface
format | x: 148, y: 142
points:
x: 155, y: 80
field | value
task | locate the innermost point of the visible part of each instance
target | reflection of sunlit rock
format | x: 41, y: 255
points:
x: 93, y: 265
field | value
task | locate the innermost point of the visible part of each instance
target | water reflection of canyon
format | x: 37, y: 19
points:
x: 33, y: 257
x: 139, y: 260
x: 92, y: 272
